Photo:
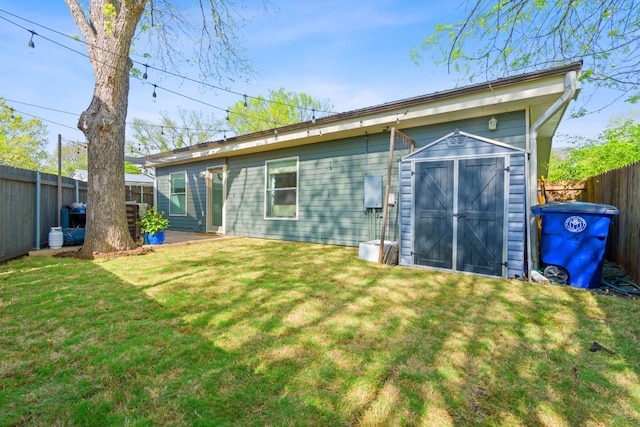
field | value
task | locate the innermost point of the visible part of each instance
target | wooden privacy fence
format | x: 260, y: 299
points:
x: 139, y: 194
x: 29, y: 208
x: 561, y: 191
x: 620, y: 188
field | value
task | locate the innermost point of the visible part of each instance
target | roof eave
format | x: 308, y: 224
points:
x: 501, y: 95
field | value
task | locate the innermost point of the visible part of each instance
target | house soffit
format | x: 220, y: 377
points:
x: 537, y: 95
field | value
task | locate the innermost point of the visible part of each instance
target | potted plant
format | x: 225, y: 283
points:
x: 153, y: 224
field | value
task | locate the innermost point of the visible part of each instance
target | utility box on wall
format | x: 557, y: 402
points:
x: 373, y: 191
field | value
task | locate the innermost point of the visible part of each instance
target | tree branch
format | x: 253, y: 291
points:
x: 82, y: 21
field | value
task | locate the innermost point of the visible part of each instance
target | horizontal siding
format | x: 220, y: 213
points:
x: 195, y: 219
x: 331, y: 192
x: 511, y: 130
x: 516, y: 218
x: 406, y: 206
x: 331, y: 185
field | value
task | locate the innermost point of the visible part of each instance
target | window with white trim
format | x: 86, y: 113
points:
x: 281, y: 189
x: 178, y: 196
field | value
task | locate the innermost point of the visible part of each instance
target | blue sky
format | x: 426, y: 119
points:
x: 354, y: 54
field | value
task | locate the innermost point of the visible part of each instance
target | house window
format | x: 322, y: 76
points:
x: 178, y: 197
x: 281, y: 190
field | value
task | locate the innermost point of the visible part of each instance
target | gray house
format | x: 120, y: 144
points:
x: 464, y: 170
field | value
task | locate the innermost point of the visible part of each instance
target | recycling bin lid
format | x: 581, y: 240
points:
x: 575, y: 207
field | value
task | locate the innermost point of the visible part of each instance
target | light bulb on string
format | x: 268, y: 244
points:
x: 144, y: 76
x: 245, y: 102
x: 154, y: 93
x: 32, y: 45
x: 313, y: 116
x: 227, y: 118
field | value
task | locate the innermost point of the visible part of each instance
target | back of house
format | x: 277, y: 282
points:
x: 464, y: 167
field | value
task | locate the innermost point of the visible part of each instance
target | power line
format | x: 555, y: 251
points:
x: 45, y: 120
x: 134, y: 123
x: 143, y: 81
x: 147, y: 66
x: 155, y: 86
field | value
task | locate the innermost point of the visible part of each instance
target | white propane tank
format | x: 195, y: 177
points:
x: 56, y: 238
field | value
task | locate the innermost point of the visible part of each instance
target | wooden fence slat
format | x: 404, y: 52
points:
x: 18, y: 208
x: 620, y: 188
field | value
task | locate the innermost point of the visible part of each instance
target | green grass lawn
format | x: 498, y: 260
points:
x: 255, y: 332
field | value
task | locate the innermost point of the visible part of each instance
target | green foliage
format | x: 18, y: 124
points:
x: 618, y: 145
x: 278, y: 108
x: 131, y: 168
x: 153, y: 221
x: 192, y: 127
x: 109, y: 11
x: 22, y: 141
x: 501, y: 37
x: 74, y: 157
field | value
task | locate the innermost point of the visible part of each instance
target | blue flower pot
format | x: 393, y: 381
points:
x: 156, y: 239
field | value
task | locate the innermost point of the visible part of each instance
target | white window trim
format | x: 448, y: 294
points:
x: 266, y: 190
x: 186, y: 187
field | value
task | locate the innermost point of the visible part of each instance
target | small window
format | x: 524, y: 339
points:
x: 281, y: 192
x: 178, y: 197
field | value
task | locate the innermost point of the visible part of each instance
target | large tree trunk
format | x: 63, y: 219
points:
x: 108, y: 33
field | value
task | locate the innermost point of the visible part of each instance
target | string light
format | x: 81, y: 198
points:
x: 137, y: 62
x: 313, y: 116
x: 245, y: 101
x: 144, y: 76
x: 227, y: 118
x: 147, y: 66
x: 154, y: 93
x: 32, y: 45
x: 148, y: 125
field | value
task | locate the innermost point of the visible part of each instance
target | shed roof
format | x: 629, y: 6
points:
x: 129, y: 178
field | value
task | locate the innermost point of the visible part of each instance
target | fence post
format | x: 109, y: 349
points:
x: 59, y: 180
x: 38, y: 207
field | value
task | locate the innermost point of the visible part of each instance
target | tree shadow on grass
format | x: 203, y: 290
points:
x: 348, y: 340
x: 257, y: 332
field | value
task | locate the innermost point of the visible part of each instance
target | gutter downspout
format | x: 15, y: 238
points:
x: 570, y: 89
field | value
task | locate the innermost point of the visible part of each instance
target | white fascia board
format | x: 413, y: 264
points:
x: 502, y: 99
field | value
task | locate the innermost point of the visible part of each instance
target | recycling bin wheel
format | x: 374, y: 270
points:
x: 556, y: 274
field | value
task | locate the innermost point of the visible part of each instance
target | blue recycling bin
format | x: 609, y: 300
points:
x: 573, y: 239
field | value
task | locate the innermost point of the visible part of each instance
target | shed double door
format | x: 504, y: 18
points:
x: 459, y: 214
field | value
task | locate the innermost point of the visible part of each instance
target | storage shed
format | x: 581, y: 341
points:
x: 462, y: 206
